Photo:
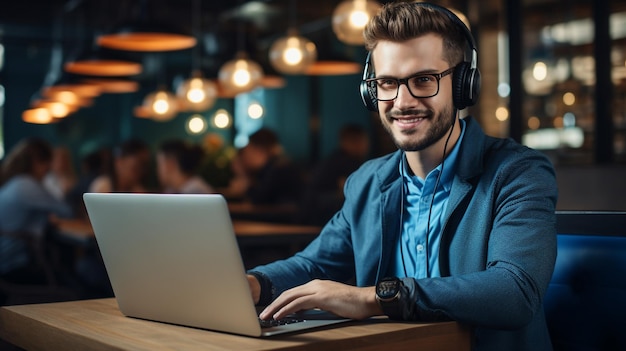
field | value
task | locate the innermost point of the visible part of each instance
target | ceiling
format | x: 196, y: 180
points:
x: 222, y: 27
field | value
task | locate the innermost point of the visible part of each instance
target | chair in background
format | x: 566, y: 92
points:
x: 585, y: 304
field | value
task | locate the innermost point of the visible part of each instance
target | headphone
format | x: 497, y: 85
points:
x: 465, y: 79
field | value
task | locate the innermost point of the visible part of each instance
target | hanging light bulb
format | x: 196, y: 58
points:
x: 240, y: 74
x: 350, y: 18
x: 221, y: 119
x: 162, y: 105
x: 197, y: 93
x: 37, y: 115
x: 292, y: 54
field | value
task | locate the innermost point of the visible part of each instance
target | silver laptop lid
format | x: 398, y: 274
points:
x: 174, y: 259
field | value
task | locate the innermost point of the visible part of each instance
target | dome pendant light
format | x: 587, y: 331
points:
x: 197, y: 93
x: 240, y: 74
x: 350, y: 18
x: 161, y: 105
x: 292, y: 54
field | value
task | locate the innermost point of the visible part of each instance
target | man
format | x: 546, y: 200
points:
x: 465, y: 221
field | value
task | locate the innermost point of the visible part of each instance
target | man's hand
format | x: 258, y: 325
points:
x: 341, y: 299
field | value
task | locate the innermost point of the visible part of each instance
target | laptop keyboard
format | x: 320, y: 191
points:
x: 275, y: 323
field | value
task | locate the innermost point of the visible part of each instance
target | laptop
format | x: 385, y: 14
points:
x: 175, y: 259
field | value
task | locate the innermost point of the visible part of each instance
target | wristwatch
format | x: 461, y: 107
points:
x: 388, y: 293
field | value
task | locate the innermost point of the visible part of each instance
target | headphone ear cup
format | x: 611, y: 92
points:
x: 368, y: 96
x: 459, y: 80
x: 466, y: 85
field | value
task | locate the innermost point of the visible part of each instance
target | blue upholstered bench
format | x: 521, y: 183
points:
x: 585, y: 303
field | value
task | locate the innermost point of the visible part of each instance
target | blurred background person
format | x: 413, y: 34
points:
x: 129, y: 169
x: 263, y: 174
x: 62, y: 176
x: 177, y: 168
x: 92, y: 165
x: 25, y: 210
x: 324, y: 192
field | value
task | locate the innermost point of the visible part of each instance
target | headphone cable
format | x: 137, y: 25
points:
x: 432, y: 200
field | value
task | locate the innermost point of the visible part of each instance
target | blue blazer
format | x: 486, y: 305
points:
x: 497, y: 251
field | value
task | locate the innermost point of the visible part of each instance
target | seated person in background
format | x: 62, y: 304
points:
x: 92, y: 165
x: 324, y: 194
x: 62, y: 176
x: 177, y: 166
x: 25, y: 206
x: 128, y: 171
x: 263, y: 175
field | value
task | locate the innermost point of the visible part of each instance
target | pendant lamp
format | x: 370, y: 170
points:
x: 197, y: 93
x: 350, y: 17
x: 292, y: 54
x: 161, y: 104
x: 37, y: 115
x: 240, y: 74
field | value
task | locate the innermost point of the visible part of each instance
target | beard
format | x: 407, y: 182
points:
x: 440, y: 124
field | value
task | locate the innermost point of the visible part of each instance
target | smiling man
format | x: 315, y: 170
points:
x: 455, y: 225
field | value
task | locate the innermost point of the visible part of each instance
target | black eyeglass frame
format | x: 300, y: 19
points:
x: 405, y: 81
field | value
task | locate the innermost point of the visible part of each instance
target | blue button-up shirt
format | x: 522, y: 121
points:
x: 419, y: 240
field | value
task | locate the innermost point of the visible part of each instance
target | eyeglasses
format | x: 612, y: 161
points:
x: 421, y: 85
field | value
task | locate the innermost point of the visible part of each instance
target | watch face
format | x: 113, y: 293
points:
x: 387, y: 289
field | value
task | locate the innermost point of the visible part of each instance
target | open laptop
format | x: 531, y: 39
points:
x: 175, y: 259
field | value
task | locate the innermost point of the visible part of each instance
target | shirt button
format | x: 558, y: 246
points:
x: 420, y: 248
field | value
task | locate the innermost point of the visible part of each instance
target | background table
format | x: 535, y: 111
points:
x: 99, y: 325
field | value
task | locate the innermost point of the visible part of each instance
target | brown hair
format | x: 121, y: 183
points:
x: 23, y: 156
x: 401, y: 21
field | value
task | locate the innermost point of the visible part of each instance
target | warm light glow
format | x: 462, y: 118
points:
x: 350, y: 17
x: 332, y: 68
x: 109, y: 68
x: 161, y: 104
x: 255, y: 110
x: 240, y: 75
x: 37, y: 116
x: 502, y: 114
x: 221, y: 119
x: 55, y: 109
x: 540, y: 71
x: 558, y: 122
x: 66, y: 97
x: 196, y: 124
x: 146, y: 41
x: 87, y: 90
x: 569, y: 99
x: 534, y: 123
x: 114, y: 86
x: 197, y: 93
x: 292, y: 54
x: 358, y: 19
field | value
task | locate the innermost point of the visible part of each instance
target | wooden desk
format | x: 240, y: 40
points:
x: 99, y: 325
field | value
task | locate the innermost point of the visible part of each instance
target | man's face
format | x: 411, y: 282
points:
x: 414, y: 123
